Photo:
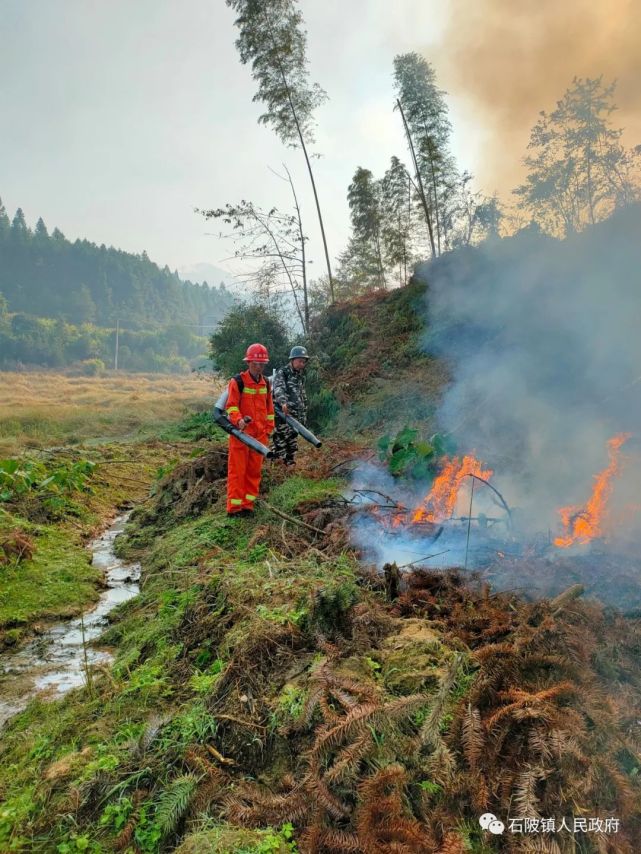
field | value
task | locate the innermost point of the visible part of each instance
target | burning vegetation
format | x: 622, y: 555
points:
x: 441, y: 501
x: 583, y: 524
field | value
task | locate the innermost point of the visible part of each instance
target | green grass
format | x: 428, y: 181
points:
x: 288, y: 495
x: 165, y: 671
x: 58, y: 581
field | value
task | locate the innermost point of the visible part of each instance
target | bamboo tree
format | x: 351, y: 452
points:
x: 396, y: 230
x: 273, y: 40
x: 427, y: 125
x: 364, y: 197
x: 419, y: 180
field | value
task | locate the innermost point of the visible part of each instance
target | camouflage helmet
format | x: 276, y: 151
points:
x: 298, y: 353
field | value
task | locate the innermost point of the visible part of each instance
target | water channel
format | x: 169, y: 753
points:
x: 54, y: 662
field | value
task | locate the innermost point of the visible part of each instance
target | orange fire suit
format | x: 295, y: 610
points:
x: 244, y: 466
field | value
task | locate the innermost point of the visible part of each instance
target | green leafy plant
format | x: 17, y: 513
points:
x: 274, y: 842
x: 408, y: 455
x: 18, y: 476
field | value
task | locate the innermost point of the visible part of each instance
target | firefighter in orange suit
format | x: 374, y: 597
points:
x: 250, y: 408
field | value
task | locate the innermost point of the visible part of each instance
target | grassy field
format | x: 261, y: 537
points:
x: 44, y: 409
x: 118, y: 424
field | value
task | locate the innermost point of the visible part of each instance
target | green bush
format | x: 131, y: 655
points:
x: 92, y: 368
x: 245, y: 325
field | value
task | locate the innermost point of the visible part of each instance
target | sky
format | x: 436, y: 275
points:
x: 118, y: 118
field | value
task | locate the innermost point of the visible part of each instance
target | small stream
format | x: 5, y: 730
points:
x: 53, y: 663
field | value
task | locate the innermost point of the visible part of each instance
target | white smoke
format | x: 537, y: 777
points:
x: 543, y: 338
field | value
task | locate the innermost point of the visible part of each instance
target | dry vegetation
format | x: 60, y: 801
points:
x: 44, y: 409
x: 267, y: 688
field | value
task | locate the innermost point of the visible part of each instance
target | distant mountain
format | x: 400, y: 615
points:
x: 205, y: 272
x: 47, y: 275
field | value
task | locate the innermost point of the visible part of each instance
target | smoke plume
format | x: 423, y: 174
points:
x: 542, y: 337
x: 512, y: 60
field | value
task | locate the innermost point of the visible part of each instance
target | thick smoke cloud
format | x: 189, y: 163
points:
x: 511, y: 60
x: 544, y: 341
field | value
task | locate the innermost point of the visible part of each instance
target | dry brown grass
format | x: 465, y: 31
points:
x: 43, y: 409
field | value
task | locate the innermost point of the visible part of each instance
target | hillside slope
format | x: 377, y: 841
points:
x: 273, y: 693
x: 371, y: 359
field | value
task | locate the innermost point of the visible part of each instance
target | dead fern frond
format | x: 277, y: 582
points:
x: 330, y: 802
x: 310, y: 840
x: 452, y: 844
x: 365, y: 693
x: 527, y: 705
x: 253, y: 806
x: 352, y: 726
x: 441, y: 765
x: 340, y: 841
x: 380, y: 820
x: 208, y: 793
x: 525, y: 799
x: 480, y: 793
x: 429, y: 731
x: 123, y: 840
x: 346, y: 763
x: 472, y: 736
x: 521, y: 697
x: 197, y: 761
x: 623, y: 792
x: 539, y: 745
x: 310, y: 706
x: 493, y: 650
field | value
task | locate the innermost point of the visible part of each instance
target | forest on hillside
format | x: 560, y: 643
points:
x: 426, y: 204
x: 60, y: 303
x: 79, y: 282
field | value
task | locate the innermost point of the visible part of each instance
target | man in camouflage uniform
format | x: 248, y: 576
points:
x: 289, y: 394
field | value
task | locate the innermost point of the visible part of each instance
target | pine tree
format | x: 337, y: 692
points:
x: 4, y: 221
x: 20, y: 232
x: 41, y: 232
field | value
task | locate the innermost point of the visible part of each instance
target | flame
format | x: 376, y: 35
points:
x: 440, y: 502
x: 582, y: 524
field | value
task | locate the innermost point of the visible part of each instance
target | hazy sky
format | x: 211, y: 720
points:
x: 117, y: 118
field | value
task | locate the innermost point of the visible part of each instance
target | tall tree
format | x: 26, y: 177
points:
x: 20, y: 231
x: 578, y: 169
x: 242, y: 325
x: 364, y: 197
x: 41, y: 234
x: 425, y: 112
x: 5, y: 225
x: 272, y: 38
x: 396, y: 211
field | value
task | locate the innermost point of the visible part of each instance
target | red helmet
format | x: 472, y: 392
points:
x: 256, y: 353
